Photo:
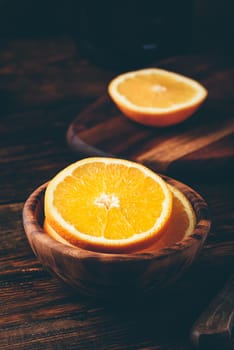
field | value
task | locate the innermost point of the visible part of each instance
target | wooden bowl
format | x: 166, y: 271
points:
x: 104, y: 275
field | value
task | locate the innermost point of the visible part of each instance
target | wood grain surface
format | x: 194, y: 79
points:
x: 44, y: 85
x: 205, y: 141
x: 214, y: 328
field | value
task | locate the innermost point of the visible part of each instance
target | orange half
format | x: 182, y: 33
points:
x: 156, y: 97
x: 108, y: 204
x: 182, y: 221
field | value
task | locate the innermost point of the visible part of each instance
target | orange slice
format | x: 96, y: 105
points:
x: 181, y: 224
x: 108, y: 205
x: 53, y: 234
x: 182, y: 221
x: 156, y: 97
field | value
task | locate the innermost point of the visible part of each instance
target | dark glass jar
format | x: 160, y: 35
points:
x: 131, y: 33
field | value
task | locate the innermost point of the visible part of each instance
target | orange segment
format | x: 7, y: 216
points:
x: 182, y: 222
x: 156, y: 97
x: 108, y: 204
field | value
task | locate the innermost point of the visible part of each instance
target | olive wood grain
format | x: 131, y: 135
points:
x: 205, y: 140
x: 214, y: 328
x: 102, y: 275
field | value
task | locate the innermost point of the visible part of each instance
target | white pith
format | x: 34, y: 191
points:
x: 159, y: 88
x: 107, y: 201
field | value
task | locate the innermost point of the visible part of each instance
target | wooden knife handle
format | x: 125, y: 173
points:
x: 214, y: 327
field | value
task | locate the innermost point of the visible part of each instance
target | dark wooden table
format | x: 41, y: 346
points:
x: 44, y: 85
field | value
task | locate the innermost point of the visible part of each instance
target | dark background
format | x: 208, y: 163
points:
x: 40, y: 45
x: 212, y: 23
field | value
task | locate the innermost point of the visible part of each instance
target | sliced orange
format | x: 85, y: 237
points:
x: 108, y: 205
x: 156, y: 97
x: 182, y: 221
x: 53, y: 234
x: 181, y: 224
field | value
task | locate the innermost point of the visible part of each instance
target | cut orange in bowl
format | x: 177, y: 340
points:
x: 108, y: 205
x: 181, y: 224
x: 156, y: 97
x: 182, y: 221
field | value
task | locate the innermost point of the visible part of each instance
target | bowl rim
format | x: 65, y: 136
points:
x: 34, y: 230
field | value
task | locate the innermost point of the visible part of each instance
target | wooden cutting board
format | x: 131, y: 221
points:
x: 202, y: 145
